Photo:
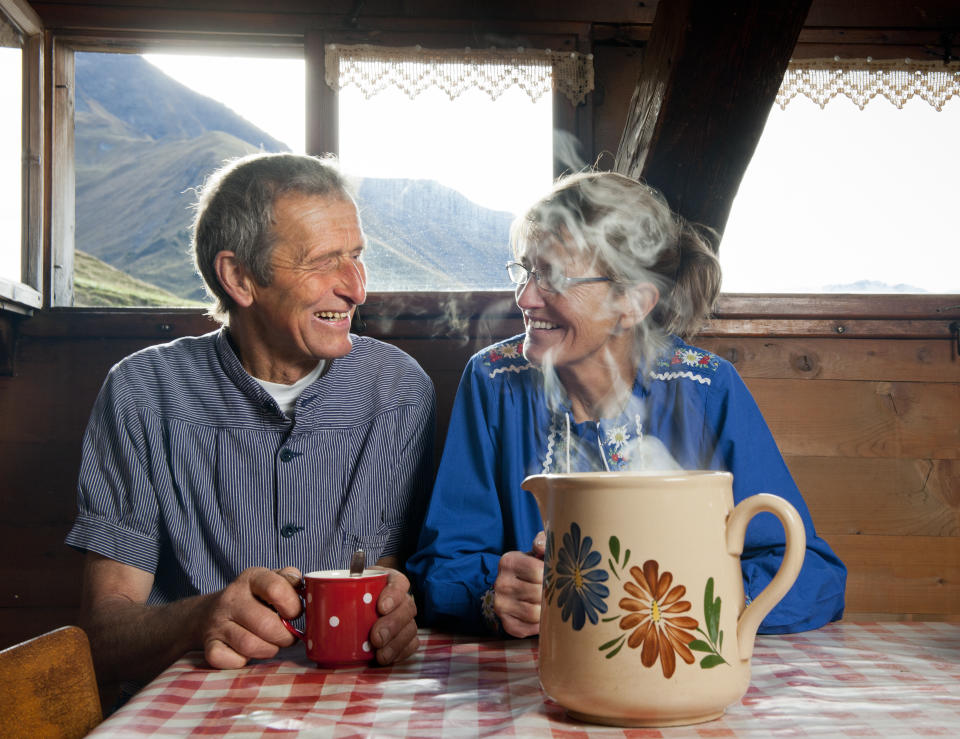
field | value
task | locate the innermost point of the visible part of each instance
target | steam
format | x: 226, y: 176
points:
x: 604, y: 224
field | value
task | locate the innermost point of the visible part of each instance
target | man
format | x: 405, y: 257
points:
x: 216, y: 469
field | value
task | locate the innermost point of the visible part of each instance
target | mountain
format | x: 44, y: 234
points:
x: 871, y: 286
x: 96, y: 283
x: 143, y: 142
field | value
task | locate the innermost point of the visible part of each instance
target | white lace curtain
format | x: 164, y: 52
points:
x: 862, y: 80
x: 413, y: 69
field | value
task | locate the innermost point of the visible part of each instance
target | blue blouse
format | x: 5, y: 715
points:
x: 503, y: 429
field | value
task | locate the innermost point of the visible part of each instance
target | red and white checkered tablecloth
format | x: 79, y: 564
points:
x: 844, y: 680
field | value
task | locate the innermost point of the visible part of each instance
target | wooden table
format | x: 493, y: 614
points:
x: 845, y: 680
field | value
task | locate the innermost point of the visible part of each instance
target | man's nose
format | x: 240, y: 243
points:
x: 353, y: 282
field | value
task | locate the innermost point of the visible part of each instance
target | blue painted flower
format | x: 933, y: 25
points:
x: 579, y: 584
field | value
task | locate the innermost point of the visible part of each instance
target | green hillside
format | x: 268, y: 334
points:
x: 97, y: 284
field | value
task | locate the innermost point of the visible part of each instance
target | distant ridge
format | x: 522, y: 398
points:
x: 144, y: 142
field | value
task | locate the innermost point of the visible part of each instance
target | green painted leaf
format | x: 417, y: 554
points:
x: 699, y: 645
x: 626, y: 557
x: 615, y: 548
x: 720, y: 643
x: 611, y: 654
x: 611, y: 642
x: 612, y: 568
x: 610, y: 618
x: 712, y: 660
x: 711, y: 611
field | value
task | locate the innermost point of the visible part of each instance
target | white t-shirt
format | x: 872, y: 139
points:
x: 287, y: 395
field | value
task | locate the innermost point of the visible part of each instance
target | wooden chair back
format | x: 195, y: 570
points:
x: 48, y: 687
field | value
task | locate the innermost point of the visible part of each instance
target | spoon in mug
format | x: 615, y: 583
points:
x: 358, y: 563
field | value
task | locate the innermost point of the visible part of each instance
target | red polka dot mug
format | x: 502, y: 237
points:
x: 340, y: 609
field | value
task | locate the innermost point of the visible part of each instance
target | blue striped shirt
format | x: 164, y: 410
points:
x: 190, y: 471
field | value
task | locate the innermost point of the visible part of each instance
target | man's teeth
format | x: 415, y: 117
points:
x: 330, y: 315
x: 543, y: 324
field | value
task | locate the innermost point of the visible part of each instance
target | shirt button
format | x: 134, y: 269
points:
x: 289, y: 530
x: 286, y: 455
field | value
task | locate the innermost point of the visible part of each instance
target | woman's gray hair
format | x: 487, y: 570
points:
x: 235, y: 212
x: 627, y: 229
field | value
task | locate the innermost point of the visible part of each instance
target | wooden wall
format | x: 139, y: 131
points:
x: 866, y: 412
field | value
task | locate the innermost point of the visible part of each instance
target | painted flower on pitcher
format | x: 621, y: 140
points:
x: 654, y: 618
x: 578, y: 581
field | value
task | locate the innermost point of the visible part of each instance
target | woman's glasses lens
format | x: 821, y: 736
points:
x: 547, y: 279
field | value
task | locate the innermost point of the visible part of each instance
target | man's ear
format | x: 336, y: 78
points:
x: 234, y: 278
x: 640, y: 300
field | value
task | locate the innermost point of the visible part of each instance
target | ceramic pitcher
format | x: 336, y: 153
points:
x: 643, y: 620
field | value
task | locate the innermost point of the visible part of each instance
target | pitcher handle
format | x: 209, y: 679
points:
x: 796, y: 536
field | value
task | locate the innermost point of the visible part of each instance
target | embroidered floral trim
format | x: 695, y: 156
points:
x: 686, y: 356
x: 505, y: 357
x: 616, y: 445
x: 677, y: 375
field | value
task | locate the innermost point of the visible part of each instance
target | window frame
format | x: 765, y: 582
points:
x: 907, y: 316
x: 26, y: 294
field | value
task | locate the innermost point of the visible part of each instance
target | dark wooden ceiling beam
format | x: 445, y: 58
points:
x: 709, y: 77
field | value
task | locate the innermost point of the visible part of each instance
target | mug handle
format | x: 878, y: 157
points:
x: 301, y: 588
x: 756, y: 611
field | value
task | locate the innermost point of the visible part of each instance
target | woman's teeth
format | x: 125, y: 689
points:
x: 329, y: 315
x: 542, y: 324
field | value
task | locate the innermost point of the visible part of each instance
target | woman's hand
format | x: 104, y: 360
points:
x: 516, y: 599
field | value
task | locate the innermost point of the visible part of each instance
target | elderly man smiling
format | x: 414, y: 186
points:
x: 216, y: 468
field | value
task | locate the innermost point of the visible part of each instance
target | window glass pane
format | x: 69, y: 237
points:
x: 847, y: 200
x: 11, y: 148
x: 441, y: 181
x: 148, y: 130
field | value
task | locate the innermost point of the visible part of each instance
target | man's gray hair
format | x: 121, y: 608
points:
x: 235, y: 212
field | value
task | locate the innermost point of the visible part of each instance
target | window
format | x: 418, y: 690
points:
x: 852, y: 188
x: 11, y: 137
x: 148, y: 129
x: 448, y: 146
x: 20, y: 145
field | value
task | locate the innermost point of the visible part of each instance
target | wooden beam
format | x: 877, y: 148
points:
x: 709, y: 76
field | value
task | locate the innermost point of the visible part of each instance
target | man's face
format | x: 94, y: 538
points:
x: 304, y: 315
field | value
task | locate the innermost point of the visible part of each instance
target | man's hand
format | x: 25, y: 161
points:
x: 241, y: 623
x: 394, y: 634
x: 131, y: 640
x: 517, y: 590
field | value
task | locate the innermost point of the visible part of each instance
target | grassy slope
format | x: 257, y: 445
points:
x: 97, y: 284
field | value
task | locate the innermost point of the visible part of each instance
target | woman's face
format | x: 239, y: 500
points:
x: 582, y: 324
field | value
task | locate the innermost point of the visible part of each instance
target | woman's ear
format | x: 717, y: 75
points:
x: 234, y: 278
x: 640, y: 300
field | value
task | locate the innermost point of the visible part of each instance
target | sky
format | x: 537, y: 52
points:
x: 832, y: 196
x: 391, y: 135
x: 10, y: 158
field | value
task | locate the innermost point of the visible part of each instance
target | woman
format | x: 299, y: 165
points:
x: 608, y: 280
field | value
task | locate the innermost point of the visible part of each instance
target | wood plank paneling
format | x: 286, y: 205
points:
x: 908, y: 574
x: 894, y: 497
x: 19, y: 624
x: 829, y: 418
x: 832, y: 359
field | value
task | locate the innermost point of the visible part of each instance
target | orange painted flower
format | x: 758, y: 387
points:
x: 653, y: 618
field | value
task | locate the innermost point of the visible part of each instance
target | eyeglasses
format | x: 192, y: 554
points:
x: 549, y: 279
